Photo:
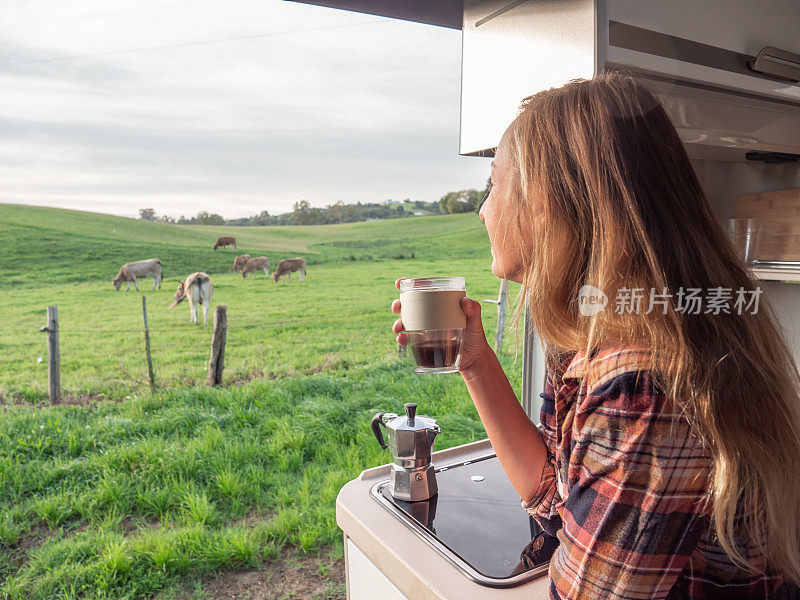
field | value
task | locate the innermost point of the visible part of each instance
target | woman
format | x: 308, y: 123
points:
x: 668, y: 454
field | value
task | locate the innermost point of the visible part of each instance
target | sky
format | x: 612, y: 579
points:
x: 231, y: 106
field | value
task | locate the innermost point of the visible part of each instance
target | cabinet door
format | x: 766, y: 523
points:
x: 364, y: 580
x: 708, y: 41
x: 511, y: 50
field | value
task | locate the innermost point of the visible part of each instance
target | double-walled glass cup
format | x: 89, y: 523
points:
x: 433, y: 319
x: 746, y: 237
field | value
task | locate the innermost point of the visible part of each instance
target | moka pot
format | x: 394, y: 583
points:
x: 410, y: 440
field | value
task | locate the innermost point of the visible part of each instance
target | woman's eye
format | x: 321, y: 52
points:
x: 485, y: 196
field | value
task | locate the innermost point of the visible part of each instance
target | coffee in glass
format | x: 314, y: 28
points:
x: 434, y: 322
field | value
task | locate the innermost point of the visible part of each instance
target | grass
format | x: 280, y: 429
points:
x: 122, y: 499
x: 337, y: 318
x: 146, y: 494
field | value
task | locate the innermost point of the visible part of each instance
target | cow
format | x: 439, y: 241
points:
x: 288, y: 266
x: 256, y: 264
x: 225, y: 241
x: 198, y: 289
x: 240, y: 261
x: 141, y: 268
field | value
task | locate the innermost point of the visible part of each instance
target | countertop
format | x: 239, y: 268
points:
x: 415, y: 568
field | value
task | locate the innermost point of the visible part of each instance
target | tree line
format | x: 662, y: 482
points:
x: 304, y: 214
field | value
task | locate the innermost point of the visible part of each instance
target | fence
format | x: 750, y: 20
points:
x: 53, y: 354
x: 216, y: 363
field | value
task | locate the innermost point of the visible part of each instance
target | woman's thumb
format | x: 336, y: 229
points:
x: 472, y: 310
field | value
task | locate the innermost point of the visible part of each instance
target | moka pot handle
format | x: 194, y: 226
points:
x: 376, y: 423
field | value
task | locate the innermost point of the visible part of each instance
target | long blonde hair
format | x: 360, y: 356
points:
x: 608, y: 197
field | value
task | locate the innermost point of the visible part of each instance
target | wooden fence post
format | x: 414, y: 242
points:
x: 150, y: 371
x: 53, y: 354
x: 502, y: 302
x: 216, y: 363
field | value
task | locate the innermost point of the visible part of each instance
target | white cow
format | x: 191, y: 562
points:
x: 141, y: 268
x: 198, y: 289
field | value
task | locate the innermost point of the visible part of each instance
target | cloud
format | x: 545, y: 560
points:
x: 360, y: 109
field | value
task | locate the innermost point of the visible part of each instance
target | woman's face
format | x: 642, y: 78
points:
x: 499, y: 214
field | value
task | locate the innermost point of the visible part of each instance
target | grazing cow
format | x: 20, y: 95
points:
x: 141, y: 268
x: 240, y: 261
x: 225, y: 241
x: 256, y: 264
x: 288, y: 266
x: 198, y: 289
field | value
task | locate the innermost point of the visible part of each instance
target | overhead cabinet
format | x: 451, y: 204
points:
x: 728, y: 74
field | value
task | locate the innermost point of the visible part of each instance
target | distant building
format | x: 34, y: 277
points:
x: 418, y: 213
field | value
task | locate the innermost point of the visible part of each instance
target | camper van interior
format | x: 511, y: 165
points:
x: 729, y: 76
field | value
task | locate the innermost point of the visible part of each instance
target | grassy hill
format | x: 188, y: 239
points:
x: 62, y: 246
x: 151, y: 495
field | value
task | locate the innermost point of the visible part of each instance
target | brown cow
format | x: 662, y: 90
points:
x: 256, y: 264
x: 240, y: 261
x: 225, y: 241
x: 198, y: 289
x: 288, y: 266
x: 141, y: 268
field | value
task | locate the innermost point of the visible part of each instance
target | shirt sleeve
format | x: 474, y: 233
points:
x: 542, y: 506
x: 637, y: 480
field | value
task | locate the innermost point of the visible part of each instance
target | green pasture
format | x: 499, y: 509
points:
x: 337, y: 318
x: 120, y: 493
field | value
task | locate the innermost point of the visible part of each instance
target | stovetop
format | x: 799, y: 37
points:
x: 476, y: 522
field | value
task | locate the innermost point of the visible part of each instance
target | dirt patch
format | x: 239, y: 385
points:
x: 85, y: 399
x: 31, y: 539
x: 28, y: 542
x: 330, y: 363
x: 295, y: 576
x: 89, y: 399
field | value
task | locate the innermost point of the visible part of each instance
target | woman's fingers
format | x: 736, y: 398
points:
x: 398, y: 326
x: 402, y: 337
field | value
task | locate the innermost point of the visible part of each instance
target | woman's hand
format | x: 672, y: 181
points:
x: 515, y: 439
x: 474, y: 344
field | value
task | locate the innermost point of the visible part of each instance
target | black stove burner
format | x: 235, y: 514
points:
x: 478, y: 516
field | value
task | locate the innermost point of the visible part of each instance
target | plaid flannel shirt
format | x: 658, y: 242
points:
x: 625, y: 491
